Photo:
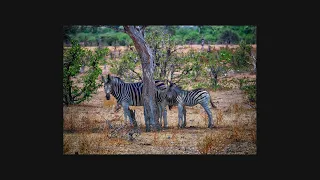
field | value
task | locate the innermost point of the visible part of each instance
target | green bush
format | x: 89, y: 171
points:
x: 249, y: 87
x: 241, y: 57
x: 228, y: 36
x: 125, y: 67
x: 77, y: 89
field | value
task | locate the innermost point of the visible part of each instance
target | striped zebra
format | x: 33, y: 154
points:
x: 176, y: 95
x: 130, y: 94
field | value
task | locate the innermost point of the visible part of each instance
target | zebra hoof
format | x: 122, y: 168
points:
x: 211, y: 126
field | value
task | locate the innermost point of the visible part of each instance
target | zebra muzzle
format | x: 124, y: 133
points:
x: 108, y: 96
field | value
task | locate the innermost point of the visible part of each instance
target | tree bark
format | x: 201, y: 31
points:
x: 147, y: 61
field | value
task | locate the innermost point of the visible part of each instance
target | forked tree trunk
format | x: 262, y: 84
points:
x: 147, y: 60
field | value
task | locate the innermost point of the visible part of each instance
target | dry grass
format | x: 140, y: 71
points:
x: 86, y: 130
x: 212, y: 143
x: 180, y: 48
x: 219, y: 117
x: 66, y: 144
x: 110, y: 103
x: 234, y: 129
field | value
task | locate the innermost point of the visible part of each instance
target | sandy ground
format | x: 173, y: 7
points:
x: 86, y: 131
x: 180, y: 48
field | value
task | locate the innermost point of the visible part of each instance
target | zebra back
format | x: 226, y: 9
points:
x: 132, y: 92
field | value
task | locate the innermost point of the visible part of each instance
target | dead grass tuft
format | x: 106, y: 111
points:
x: 212, y: 143
x: 85, y: 144
x: 66, y: 145
x: 155, y: 138
x: 204, y: 117
x: 174, y: 132
x: 219, y: 117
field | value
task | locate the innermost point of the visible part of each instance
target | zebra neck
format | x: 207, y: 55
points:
x: 180, y: 91
x: 115, y: 90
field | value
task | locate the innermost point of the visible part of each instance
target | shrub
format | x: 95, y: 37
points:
x: 77, y: 89
x: 241, y: 57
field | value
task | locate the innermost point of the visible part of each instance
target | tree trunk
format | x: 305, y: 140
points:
x: 214, y: 75
x: 202, y: 44
x: 147, y: 61
x: 82, y: 68
x: 172, y: 69
x: 164, y: 67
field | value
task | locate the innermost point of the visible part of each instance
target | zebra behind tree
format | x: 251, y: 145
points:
x: 176, y: 95
x: 130, y: 94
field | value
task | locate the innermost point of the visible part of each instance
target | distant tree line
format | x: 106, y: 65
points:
x: 110, y: 36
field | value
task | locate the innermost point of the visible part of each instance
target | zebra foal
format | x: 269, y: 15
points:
x: 177, y: 96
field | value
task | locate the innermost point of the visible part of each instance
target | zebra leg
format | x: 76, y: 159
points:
x: 165, y: 116
x: 206, y: 108
x: 146, y: 121
x: 127, y: 112
x: 184, y: 116
x: 180, y: 115
x: 160, y: 115
x: 133, y: 115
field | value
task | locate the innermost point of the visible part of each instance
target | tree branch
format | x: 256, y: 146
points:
x: 137, y: 74
x: 184, y: 72
x: 143, y: 28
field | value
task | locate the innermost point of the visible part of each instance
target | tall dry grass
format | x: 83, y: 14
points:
x: 235, y: 129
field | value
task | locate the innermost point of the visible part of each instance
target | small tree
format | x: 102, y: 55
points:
x: 164, y: 48
x: 77, y: 89
x: 228, y: 37
x: 126, y: 65
x: 241, y: 57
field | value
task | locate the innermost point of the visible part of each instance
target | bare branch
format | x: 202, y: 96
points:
x: 143, y: 28
x: 80, y: 93
x: 137, y: 74
x: 184, y: 72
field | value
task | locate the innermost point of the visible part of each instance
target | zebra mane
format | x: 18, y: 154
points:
x: 176, y: 88
x: 198, y: 89
x: 117, y: 80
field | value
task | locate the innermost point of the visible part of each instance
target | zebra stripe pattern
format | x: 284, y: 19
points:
x: 175, y: 95
x: 130, y: 94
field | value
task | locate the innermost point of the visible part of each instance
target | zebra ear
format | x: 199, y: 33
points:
x: 108, y: 78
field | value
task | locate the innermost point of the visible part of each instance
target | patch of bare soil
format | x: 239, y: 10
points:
x: 180, y: 48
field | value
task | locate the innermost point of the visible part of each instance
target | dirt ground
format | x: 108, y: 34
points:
x: 86, y: 130
x: 181, y: 48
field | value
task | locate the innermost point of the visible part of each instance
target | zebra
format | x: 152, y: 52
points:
x: 176, y: 95
x: 130, y: 94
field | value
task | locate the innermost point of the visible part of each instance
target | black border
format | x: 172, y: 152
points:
x: 47, y: 104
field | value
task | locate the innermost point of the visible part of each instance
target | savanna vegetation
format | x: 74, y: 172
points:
x: 111, y: 36
x: 220, y: 59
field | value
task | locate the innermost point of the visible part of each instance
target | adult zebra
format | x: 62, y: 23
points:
x: 176, y: 95
x: 130, y: 94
